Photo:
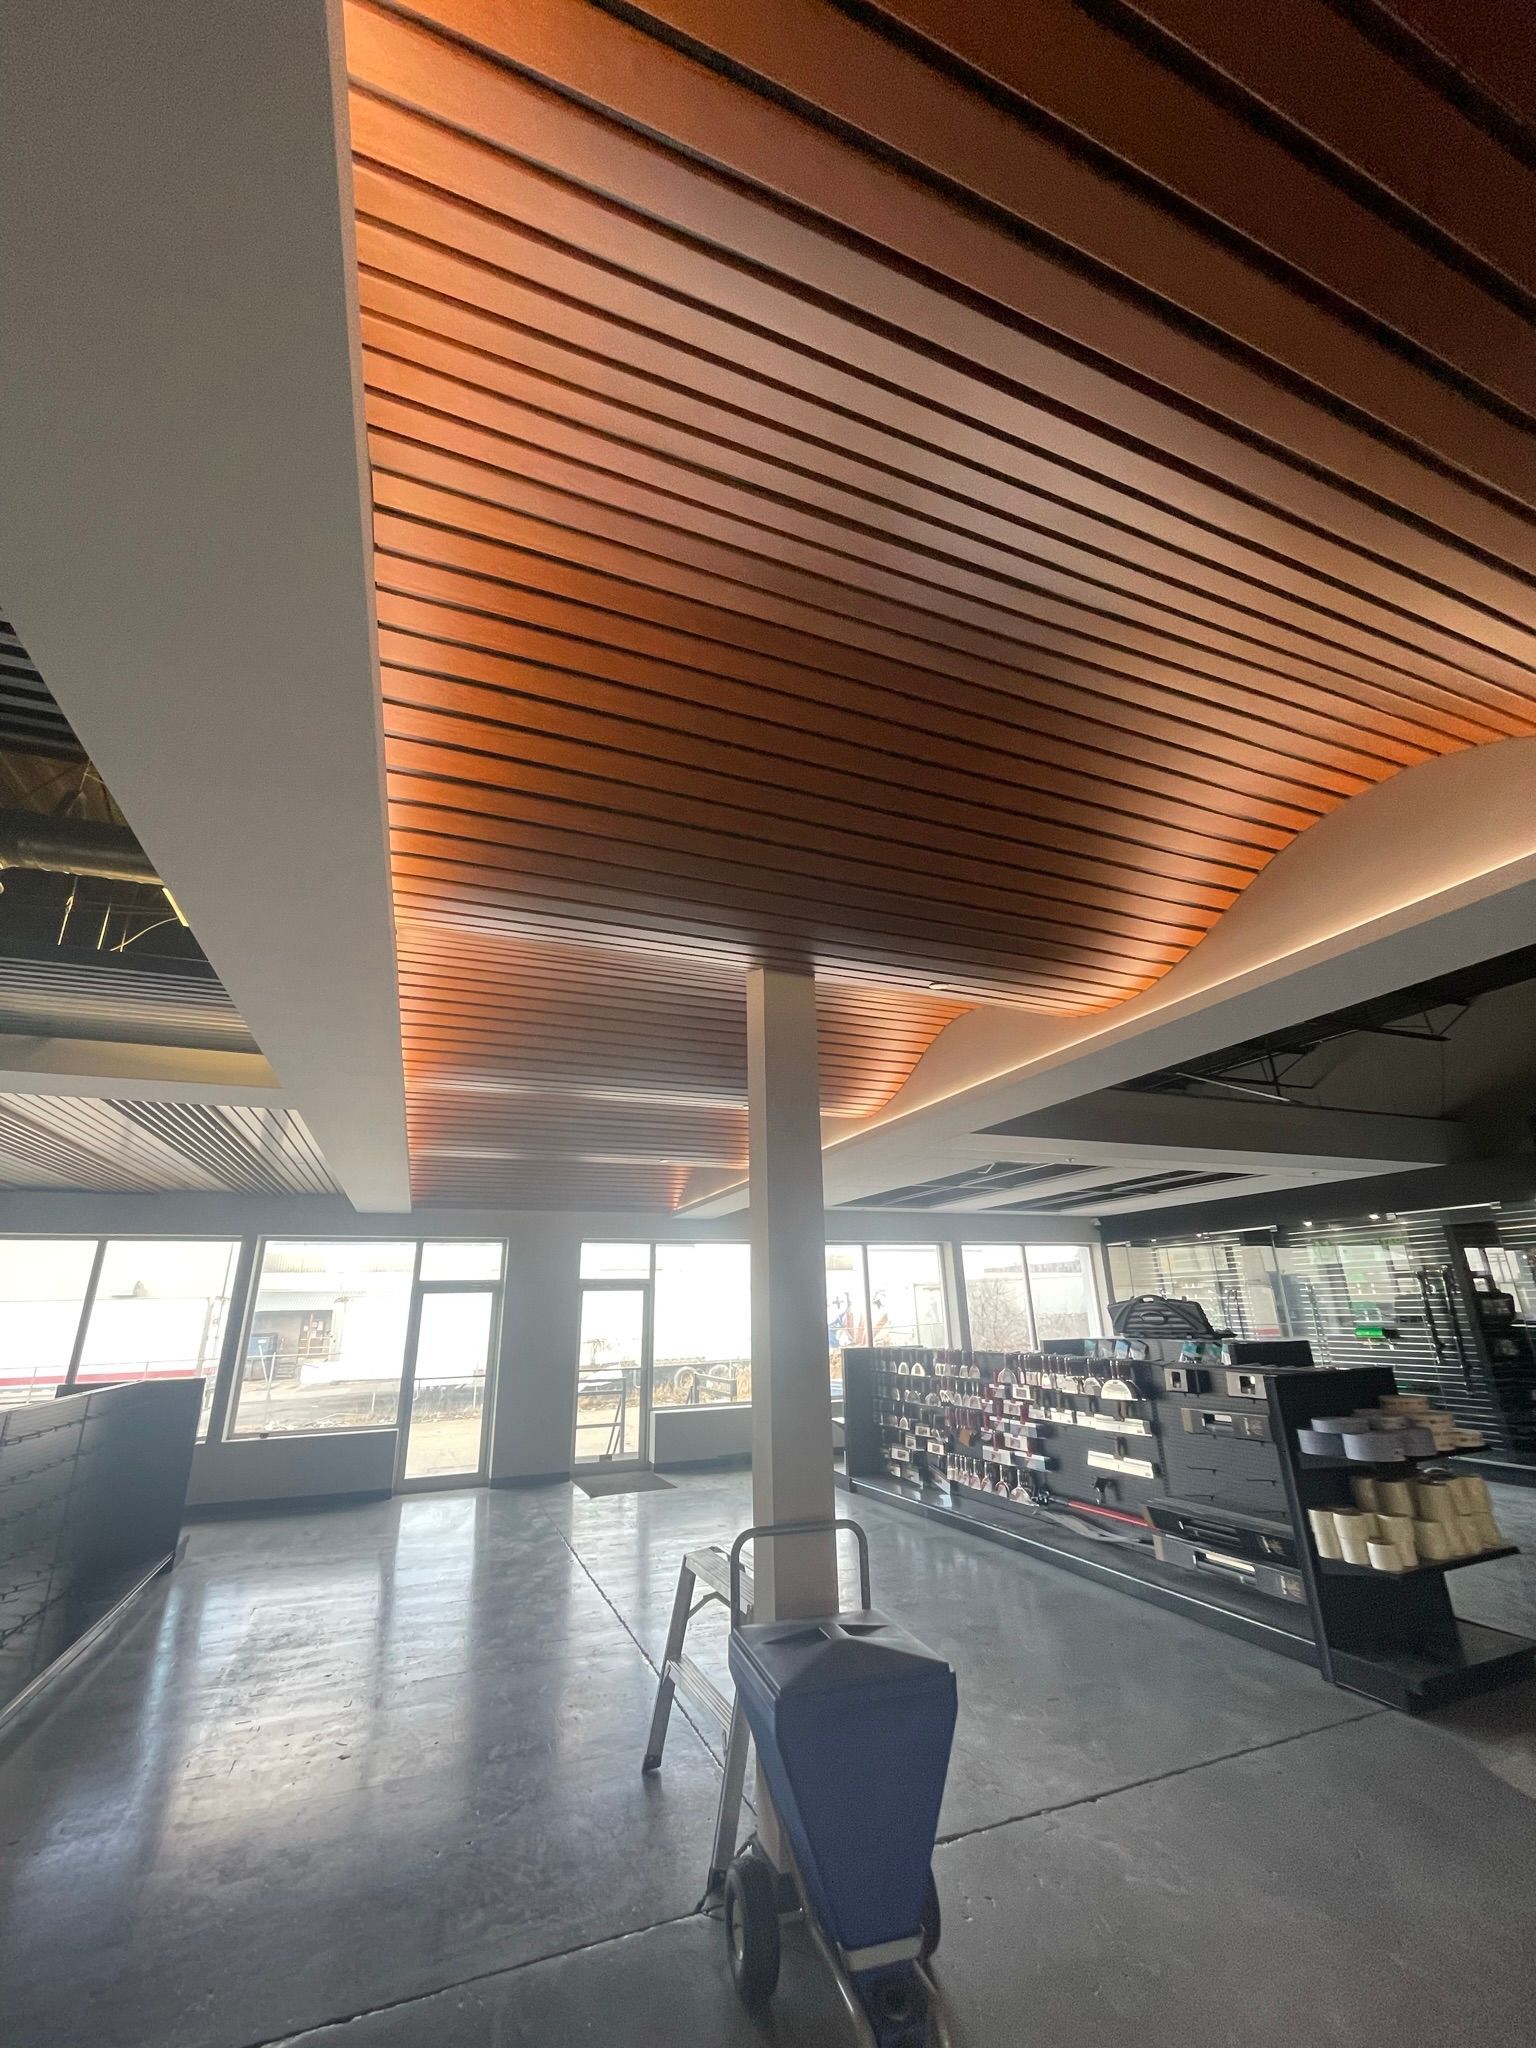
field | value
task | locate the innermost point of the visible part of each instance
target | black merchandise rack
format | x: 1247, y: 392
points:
x: 1392, y: 1636
x: 1030, y: 1452
x: 1074, y: 1504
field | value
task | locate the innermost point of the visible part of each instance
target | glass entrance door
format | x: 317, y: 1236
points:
x: 612, y: 1376
x: 444, y: 1410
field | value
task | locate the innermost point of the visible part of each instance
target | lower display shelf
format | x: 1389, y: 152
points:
x: 1128, y: 1566
x: 1341, y: 1568
x: 1311, y: 1461
x: 1471, y: 1660
x: 1196, y: 1497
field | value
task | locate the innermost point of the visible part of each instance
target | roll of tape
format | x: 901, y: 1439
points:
x: 1365, y: 1491
x: 1433, y: 1541
x: 1359, y: 1519
x: 1395, y: 1496
x: 1324, y: 1534
x: 1373, y: 1446
x: 1398, y: 1529
x: 1481, y: 1497
x: 1385, y: 1557
x: 1466, y: 1496
x: 1353, y: 1541
x: 1436, y: 1501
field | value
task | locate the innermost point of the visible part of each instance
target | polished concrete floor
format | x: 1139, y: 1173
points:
x: 370, y: 1778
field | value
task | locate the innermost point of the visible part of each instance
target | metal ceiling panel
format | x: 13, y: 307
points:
x: 63, y: 994
x: 29, y: 718
x: 67, y: 1142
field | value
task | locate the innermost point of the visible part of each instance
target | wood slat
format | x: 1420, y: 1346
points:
x: 936, y: 494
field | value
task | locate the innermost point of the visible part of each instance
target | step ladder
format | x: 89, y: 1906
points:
x: 710, y: 1568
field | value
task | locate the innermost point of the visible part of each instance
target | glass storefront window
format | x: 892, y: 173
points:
x: 454, y: 1333
x: 997, y: 1297
x: 847, y: 1306
x: 702, y: 1337
x: 159, y: 1311
x: 1062, y: 1290
x: 616, y: 1262
x: 1334, y: 1288
x: 906, y: 1295
x: 42, y: 1292
x: 1237, y: 1283
x: 450, y: 1258
x: 1509, y: 1270
x: 326, y: 1342
x: 610, y: 1365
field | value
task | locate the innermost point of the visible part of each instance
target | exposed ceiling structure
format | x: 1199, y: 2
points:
x: 91, y: 944
x: 1005, y: 1188
x: 98, y: 970
x: 1304, y: 1061
x: 184, y: 545
x: 941, y: 494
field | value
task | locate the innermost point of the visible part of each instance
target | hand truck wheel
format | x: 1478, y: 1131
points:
x: 751, y: 1900
x: 933, y: 1920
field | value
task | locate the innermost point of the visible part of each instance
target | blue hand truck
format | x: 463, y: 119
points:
x: 852, y: 1720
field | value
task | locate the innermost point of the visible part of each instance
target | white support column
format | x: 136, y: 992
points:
x: 791, y: 1388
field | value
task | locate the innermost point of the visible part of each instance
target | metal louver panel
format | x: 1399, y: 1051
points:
x: 1210, y: 1273
x: 114, y: 1002
x: 1322, y: 1285
x: 953, y: 1187
x: 52, y: 1141
x: 29, y: 718
x: 1436, y: 1350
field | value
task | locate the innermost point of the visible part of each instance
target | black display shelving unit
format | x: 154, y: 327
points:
x: 1392, y: 1636
x: 1054, y: 1535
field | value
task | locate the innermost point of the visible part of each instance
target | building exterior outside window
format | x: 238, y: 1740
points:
x: 703, y: 1325
x: 159, y: 1311
x: 997, y: 1300
x: 906, y: 1295
x: 326, y: 1342
x: 43, y: 1283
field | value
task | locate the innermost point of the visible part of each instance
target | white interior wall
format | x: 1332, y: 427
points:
x: 354, y: 1461
x: 535, y: 1381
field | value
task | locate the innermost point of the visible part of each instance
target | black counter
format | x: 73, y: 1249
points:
x: 92, y: 1488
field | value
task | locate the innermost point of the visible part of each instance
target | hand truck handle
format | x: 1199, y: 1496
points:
x: 815, y: 1528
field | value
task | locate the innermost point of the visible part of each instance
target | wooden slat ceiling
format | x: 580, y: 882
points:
x: 941, y: 492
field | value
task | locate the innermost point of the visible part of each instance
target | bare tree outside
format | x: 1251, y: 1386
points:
x: 999, y: 1315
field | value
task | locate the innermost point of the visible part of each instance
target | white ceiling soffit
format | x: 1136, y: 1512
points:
x: 183, y: 537
x: 1419, y: 876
